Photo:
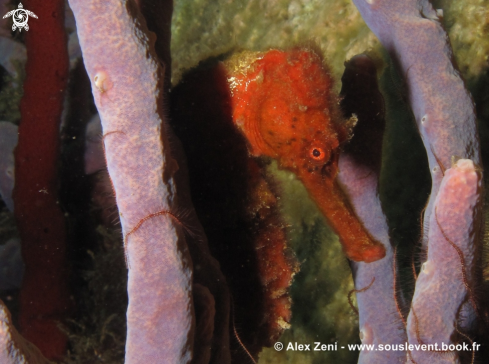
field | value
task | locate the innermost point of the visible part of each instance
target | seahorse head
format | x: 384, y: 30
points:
x: 282, y: 104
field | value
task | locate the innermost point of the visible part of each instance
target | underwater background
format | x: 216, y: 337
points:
x: 216, y: 29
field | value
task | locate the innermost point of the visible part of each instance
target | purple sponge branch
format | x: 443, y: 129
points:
x: 164, y: 241
x: 374, y: 282
x: 119, y: 58
x: 379, y: 315
x: 443, y: 308
x: 126, y: 76
x: 443, y: 288
x: 443, y: 108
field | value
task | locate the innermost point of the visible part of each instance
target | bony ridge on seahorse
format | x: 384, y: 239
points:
x: 282, y: 104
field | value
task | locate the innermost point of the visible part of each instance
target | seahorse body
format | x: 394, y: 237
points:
x: 282, y: 104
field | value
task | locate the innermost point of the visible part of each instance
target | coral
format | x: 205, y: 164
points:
x: 39, y: 217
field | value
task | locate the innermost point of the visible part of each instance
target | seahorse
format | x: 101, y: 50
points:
x: 283, y: 105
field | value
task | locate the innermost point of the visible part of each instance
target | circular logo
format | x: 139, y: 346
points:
x: 20, y: 17
x: 278, y: 346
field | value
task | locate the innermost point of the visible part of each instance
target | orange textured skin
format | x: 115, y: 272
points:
x: 281, y: 103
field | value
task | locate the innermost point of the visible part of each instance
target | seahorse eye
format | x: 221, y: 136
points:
x: 317, y: 154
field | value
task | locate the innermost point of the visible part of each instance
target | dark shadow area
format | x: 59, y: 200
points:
x: 98, y: 275
x: 223, y: 179
x: 405, y: 182
x: 479, y: 88
x: 75, y: 188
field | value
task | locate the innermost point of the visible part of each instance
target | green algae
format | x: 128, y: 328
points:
x: 467, y: 24
x: 98, y: 336
x: 320, y: 308
x: 11, y: 92
x: 208, y: 28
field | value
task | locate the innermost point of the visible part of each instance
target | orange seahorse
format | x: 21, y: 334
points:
x: 281, y: 103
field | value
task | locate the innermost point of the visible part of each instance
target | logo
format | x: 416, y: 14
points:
x: 20, y: 17
x: 278, y: 346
